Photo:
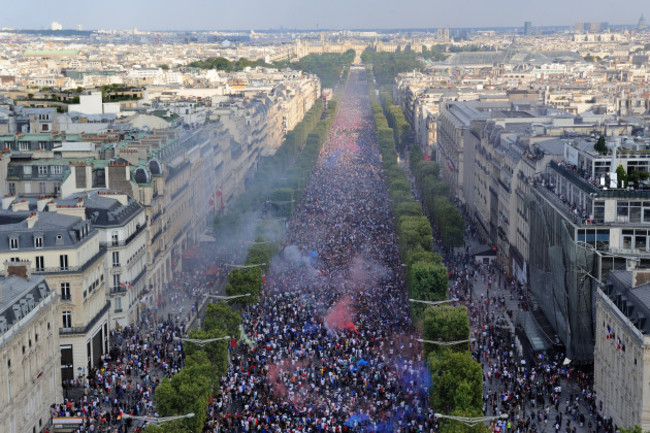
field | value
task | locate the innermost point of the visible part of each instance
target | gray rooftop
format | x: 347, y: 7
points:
x: 18, y: 296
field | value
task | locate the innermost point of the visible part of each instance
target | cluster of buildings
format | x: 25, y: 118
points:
x: 101, y: 203
x: 549, y: 153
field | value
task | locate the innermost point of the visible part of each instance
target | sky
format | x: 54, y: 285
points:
x: 311, y: 14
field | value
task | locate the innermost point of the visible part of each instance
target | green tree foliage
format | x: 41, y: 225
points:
x: 427, y: 282
x: 188, y: 391
x: 328, y: 66
x: 600, y: 145
x: 387, y: 65
x: 212, y: 357
x: 435, y: 53
x: 632, y: 429
x: 457, y: 382
x: 242, y: 281
x: 414, y: 234
x: 223, y: 64
x: 220, y: 317
x: 621, y: 176
x: 445, y: 323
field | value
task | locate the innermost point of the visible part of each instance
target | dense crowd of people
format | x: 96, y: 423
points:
x: 330, y: 346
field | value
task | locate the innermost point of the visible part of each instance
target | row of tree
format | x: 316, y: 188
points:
x: 435, y: 199
x: 387, y: 65
x: 190, y: 390
x: 457, y: 379
x: 396, y: 120
x: 329, y: 67
x: 426, y: 275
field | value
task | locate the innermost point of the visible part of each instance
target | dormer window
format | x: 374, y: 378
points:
x: 38, y: 241
x: 13, y: 243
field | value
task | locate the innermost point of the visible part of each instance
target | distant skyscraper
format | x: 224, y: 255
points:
x: 641, y: 25
x: 528, y: 28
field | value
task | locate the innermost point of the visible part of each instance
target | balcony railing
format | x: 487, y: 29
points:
x: 73, y: 269
x: 116, y: 243
x: 81, y: 330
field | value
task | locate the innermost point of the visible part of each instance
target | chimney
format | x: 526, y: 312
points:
x: 640, y: 277
x: 21, y: 205
x: 33, y: 217
x: 20, y: 269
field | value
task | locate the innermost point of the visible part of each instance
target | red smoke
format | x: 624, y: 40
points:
x: 340, y: 317
x: 279, y: 388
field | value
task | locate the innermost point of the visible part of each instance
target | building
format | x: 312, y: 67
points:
x: 30, y: 367
x: 121, y: 223
x: 60, y: 244
x: 528, y: 28
x: 622, y: 348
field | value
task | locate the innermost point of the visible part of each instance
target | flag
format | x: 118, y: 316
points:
x: 119, y: 415
x: 220, y: 195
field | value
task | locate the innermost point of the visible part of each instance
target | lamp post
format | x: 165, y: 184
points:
x: 471, y: 421
x: 244, y: 266
x: 434, y: 303
x: 445, y: 343
x: 227, y: 298
x: 202, y: 341
x: 157, y: 419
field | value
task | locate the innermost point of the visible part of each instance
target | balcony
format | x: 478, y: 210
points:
x: 73, y: 269
x: 116, y: 243
x: 82, y: 330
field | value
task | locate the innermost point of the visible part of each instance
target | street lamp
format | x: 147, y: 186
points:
x: 244, y: 266
x: 471, y: 421
x: 157, y: 419
x: 445, y: 343
x: 227, y: 298
x: 432, y: 302
x: 202, y: 341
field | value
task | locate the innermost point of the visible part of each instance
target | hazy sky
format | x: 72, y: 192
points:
x: 311, y: 14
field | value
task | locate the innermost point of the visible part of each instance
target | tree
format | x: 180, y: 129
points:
x: 445, y: 323
x: 221, y: 317
x: 164, y: 67
x: 414, y: 234
x: 242, y: 281
x: 187, y: 391
x: 457, y: 382
x: 427, y: 282
x: 600, y: 145
x: 621, y: 176
x: 211, y: 357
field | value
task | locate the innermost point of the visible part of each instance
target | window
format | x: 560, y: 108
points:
x: 42, y: 189
x: 42, y: 170
x: 57, y: 188
x: 118, y: 304
x: 63, y: 262
x: 116, y: 258
x: 116, y: 281
x: 13, y: 243
x: 114, y: 238
x: 40, y: 263
x: 45, y: 127
x: 38, y: 241
x: 23, y: 146
x: 27, y: 170
x: 12, y: 188
x: 67, y: 319
x: 65, y: 291
x: 56, y: 169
